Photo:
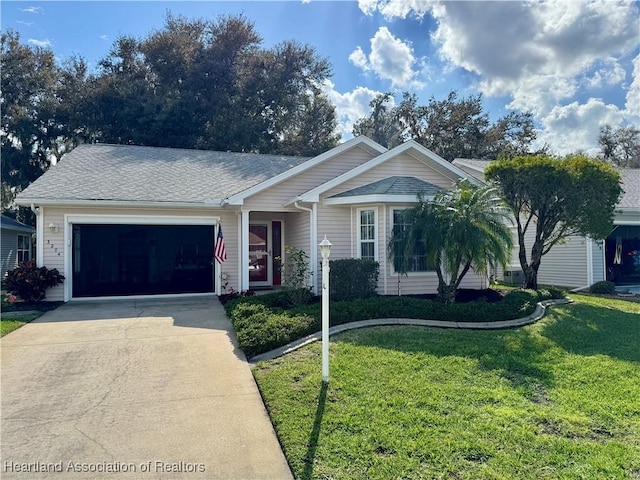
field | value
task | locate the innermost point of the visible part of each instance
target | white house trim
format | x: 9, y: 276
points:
x: 116, y: 203
x: 244, y: 251
x: 71, y: 219
x: 361, y: 141
x: 374, y: 198
x: 40, y: 237
x: 313, y: 195
x: 589, y: 261
x: 359, y: 231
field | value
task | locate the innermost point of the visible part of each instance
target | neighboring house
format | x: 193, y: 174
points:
x: 126, y: 220
x: 579, y: 261
x: 16, y: 244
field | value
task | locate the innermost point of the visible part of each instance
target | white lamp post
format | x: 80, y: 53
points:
x: 325, y: 250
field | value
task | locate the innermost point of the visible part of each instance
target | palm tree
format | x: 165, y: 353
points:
x: 460, y: 229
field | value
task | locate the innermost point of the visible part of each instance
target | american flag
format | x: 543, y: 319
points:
x: 220, y: 252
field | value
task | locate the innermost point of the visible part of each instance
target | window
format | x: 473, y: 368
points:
x: 417, y: 262
x: 24, y: 248
x: 367, y: 234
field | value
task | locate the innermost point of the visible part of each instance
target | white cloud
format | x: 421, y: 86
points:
x: 609, y: 73
x: 103, y: 37
x: 573, y: 127
x: 633, y: 94
x: 40, y: 43
x: 28, y: 24
x: 390, y: 59
x: 350, y: 106
x: 544, y: 56
x: 395, y: 8
x: 32, y: 9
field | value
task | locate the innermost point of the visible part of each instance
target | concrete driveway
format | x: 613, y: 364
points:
x: 149, y: 389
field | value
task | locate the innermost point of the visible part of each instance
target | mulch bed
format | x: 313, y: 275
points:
x: 35, y: 306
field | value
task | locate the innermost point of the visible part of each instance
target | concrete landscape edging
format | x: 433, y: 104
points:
x: 19, y: 313
x: 537, y: 314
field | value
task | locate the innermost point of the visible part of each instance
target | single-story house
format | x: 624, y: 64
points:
x: 16, y: 243
x: 120, y: 220
x: 580, y: 262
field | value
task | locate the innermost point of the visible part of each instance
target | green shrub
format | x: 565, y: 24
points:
x: 260, y: 333
x: 262, y: 324
x: 604, y: 287
x: 30, y: 282
x: 353, y: 278
x: 295, y: 276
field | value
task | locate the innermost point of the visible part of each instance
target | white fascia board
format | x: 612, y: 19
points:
x: 313, y: 195
x: 470, y: 166
x: 375, y: 198
x: 627, y: 216
x: 26, y: 201
x: 362, y: 141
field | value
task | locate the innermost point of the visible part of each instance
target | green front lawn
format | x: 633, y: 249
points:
x: 8, y: 325
x: 558, y: 399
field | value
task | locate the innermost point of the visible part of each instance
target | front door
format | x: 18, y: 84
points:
x: 259, y: 254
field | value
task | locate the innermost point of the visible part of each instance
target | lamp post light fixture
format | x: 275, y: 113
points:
x: 325, y: 250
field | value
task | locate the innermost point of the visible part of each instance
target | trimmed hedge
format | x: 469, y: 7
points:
x: 353, y: 278
x: 604, y: 287
x: 262, y: 323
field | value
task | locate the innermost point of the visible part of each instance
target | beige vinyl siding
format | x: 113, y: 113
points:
x: 404, y: 165
x: 274, y: 197
x: 334, y: 222
x: 564, y: 265
x: 54, y: 248
x: 296, y: 230
x: 413, y: 283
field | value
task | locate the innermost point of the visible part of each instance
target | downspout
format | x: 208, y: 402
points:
x: 313, y: 236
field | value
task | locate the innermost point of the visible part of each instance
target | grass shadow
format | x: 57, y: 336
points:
x: 596, y: 330
x: 518, y: 355
x: 314, y: 436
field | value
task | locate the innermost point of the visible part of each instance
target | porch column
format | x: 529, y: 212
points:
x: 244, y: 251
x: 313, y: 245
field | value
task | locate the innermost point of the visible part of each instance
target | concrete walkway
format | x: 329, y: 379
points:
x: 150, y: 389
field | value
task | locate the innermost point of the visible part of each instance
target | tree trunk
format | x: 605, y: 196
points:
x: 446, y: 293
x: 530, y: 278
x: 531, y: 270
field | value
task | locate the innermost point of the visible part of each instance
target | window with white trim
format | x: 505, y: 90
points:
x: 24, y: 248
x: 417, y: 262
x: 367, y: 234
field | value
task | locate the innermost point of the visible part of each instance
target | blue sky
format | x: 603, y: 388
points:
x: 574, y: 64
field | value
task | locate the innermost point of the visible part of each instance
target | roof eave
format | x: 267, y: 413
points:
x: 27, y: 201
x: 374, y: 198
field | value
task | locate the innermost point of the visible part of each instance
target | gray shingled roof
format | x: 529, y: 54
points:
x: 152, y: 174
x: 393, y: 186
x: 9, y: 223
x: 631, y: 187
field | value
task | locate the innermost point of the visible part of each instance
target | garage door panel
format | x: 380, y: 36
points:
x: 114, y: 260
